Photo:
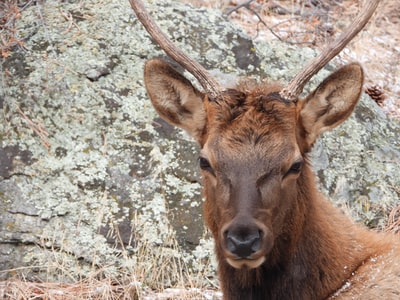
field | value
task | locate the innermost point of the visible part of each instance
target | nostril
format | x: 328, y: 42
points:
x: 231, y: 244
x: 256, y: 245
x: 243, y: 246
x: 257, y: 242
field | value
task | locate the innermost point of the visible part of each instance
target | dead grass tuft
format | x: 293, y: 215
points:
x: 100, y: 289
x: 86, y: 289
x: 146, y: 272
x: 394, y: 221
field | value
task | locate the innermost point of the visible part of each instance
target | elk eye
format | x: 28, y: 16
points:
x: 295, y: 168
x: 204, y: 164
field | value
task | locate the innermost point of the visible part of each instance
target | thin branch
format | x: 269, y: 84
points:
x: 37, y: 128
x: 237, y: 7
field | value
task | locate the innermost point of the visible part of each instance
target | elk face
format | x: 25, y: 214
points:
x: 250, y: 162
x: 253, y: 151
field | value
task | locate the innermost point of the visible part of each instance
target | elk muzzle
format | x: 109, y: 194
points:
x: 245, y: 242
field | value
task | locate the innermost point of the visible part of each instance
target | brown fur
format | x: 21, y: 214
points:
x: 260, y: 192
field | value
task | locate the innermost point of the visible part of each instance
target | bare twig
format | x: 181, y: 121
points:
x: 70, y: 19
x: 37, y: 128
x: 237, y: 7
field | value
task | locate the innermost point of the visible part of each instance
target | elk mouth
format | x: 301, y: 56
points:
x: 240, y: 263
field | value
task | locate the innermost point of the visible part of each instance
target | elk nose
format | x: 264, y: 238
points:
x: 243, y: 245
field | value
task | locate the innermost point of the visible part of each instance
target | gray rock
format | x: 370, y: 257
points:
x: 91, y: 177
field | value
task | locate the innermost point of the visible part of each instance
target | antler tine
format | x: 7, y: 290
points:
x: 295, y: 87
x: 210, y: 85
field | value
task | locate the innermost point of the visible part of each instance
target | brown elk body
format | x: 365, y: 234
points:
x: 276, y: 236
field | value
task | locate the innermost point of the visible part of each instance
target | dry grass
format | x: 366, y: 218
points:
x: 87, y: 289
x: 394, y: 220
x: 104, y: 289
x: 152, y: 272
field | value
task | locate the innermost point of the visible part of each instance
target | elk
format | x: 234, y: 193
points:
x: 276, y: 236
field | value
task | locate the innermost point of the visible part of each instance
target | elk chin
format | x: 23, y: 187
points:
x: 246, y: 263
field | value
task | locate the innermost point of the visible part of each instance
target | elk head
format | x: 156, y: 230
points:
x: 253, y: 150
x: 254, y: 141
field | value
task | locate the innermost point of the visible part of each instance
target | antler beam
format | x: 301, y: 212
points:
x: 295, y: 87
x: 210, y: 85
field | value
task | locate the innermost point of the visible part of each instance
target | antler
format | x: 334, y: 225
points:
x: 210, y: 85
x: 295, y: 87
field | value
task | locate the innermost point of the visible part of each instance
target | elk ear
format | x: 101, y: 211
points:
x: 331, y: 103
x: 175, y: 99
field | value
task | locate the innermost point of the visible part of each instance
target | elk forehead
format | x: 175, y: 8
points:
x: 251, y: 136
x: 250, y: 129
